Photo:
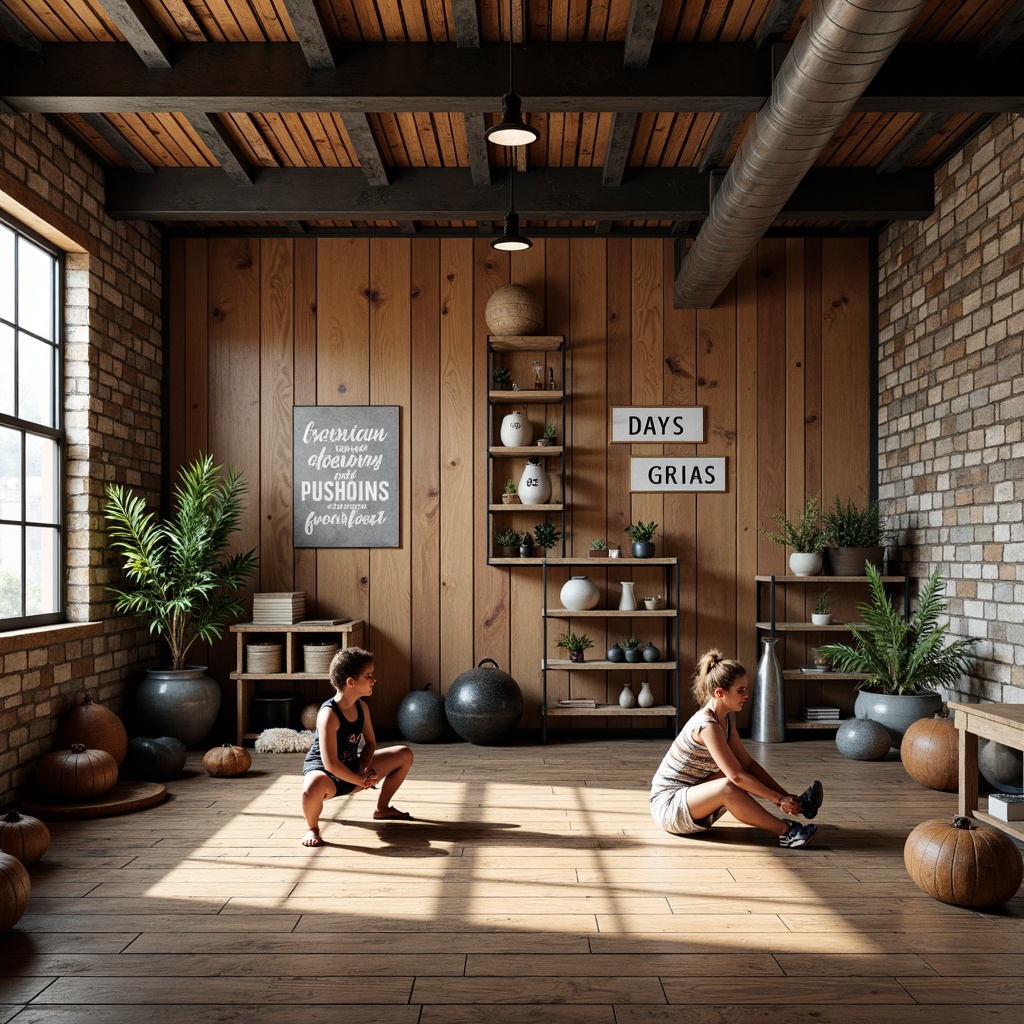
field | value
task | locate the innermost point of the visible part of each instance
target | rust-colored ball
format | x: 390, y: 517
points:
x: 15, y: 888
x: 930, y: 753
x: 227, y: 760
x: 95, y: 726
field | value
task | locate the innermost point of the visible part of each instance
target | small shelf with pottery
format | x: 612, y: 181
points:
x: 664, y: 618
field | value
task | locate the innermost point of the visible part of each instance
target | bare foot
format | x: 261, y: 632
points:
x: 312, y: 838
x: 392, y: 814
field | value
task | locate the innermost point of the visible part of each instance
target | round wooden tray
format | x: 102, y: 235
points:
x: 122, y: 799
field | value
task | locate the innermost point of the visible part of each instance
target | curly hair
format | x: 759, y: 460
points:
x: 349, y: 662
x: 713, y: 671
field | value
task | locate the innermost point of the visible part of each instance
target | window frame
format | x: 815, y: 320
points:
x: 56, y: 433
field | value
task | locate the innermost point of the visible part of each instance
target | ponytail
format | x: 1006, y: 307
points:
x: 714, y: 671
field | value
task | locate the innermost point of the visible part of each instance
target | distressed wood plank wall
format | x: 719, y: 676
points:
x: 781, y: 364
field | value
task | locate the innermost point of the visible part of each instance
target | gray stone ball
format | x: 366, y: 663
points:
x: 862, y: 739
x: 1002, y: 766
x: 484, y: 705
x: 421, y: 717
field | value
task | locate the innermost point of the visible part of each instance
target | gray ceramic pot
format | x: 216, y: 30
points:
x: 897, y: 712
x: 182, y: 703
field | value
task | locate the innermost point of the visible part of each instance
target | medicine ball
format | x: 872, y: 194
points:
x: 484, y: 705
x: 421, y: 716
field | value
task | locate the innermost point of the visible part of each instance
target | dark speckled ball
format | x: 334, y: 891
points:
x: 484, y: 704
x: 421, y: 716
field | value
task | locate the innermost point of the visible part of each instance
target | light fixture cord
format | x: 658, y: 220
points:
x: 511, y: 87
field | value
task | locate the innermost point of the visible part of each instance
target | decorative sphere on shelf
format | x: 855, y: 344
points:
x: 513, y: 310
x: 863, y: 739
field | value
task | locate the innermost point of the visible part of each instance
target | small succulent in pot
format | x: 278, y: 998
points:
x: 502, y: 377
x: 508, y: 541
x: 547, y: 439
x: 598, y: 549
x: 821, y: 616
x: 575, y: 644
x: 510, y: 495
x: 546, y: 534
x: 653, y: 603
x: 642, y: 536
x: 631, y: 645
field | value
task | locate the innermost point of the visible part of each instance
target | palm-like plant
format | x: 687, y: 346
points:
x: 898, y: 655
x: 175, y: 572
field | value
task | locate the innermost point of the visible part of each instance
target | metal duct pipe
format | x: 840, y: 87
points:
x: 833, y: 59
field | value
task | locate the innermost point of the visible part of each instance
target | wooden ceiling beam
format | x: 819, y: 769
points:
x: 221, y: 144
x: 620, y: 142
x: 467, y: 24
x: 728, y: 124
x: 777, y: 21
x: 679, y: 194
x: 1005, y: 32
x: 18, y: 31
x: 923, y: 129
x: 476, y: 143
x: 364, y: 143
x: 569, y: 77
x: 643, y: 23
x: 311, y: 33
x: 118, y: 143
x: 142, y: 31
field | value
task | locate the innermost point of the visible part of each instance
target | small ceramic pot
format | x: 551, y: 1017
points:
x: 821, y: 620
x: 651, y: 653
x: 652, y: 604
x: 805, y: 563
x: 615, y: 653
x: 643, y: 549
x: 634, y: 654
x: 576, y: 656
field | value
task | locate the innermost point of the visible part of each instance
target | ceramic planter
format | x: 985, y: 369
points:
x: 642, y: 549
x: 896, y: 711
x: 181, y: 703
x: 805, y: 563
x: 821, y: 620
x: 516, y: 430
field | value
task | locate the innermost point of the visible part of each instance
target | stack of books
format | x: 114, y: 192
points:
x: 810, y: 714
x: 578, y: 702
x: 1006, y: 806
x: 275, y: 609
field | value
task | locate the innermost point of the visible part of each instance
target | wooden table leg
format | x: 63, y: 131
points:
x: 968, y: 789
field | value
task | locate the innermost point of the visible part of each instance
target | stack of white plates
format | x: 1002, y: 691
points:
x: 270, y: 609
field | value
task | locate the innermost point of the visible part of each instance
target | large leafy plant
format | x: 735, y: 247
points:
x: 901, y: 655
x: 176, y: 571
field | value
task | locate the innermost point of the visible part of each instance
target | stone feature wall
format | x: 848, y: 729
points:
x: 112, y: 407
x: 951, y: 399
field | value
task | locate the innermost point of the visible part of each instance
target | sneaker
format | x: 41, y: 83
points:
x: 810, y: 799
x: 797, y: 835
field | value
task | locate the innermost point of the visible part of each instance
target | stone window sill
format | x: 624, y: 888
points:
x: 44, y: 636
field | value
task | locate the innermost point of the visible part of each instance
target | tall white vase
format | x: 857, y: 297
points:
x: 627, y: 602
x: 534, y: 484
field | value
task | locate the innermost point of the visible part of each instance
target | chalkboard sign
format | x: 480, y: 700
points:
x: 345, y: 476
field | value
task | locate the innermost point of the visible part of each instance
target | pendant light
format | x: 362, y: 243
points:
x: 512, y: 130
x: 510, y: 240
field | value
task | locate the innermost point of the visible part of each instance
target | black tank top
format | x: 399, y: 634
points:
x: 349, y: 736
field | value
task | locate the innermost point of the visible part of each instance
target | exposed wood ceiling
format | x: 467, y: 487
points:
x: 368, y: 116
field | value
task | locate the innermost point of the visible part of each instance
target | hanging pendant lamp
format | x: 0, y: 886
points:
x: 510, y: 240
x: 512, y: 130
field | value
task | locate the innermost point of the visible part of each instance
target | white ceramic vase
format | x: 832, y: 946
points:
x: 627, y: 699
x: 645, y: 699
x: 627, y: 602
x: 534, y: 484
x: 805, y: 563
x: 516, y: 430
x: 579, y: 594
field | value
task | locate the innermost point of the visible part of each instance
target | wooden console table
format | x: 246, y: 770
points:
x: 1003, y: 723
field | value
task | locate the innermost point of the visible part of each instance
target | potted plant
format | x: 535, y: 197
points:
x: 575, y: 644
x: 510, y: 496
x: 903, y: 661
x: 642, y: 536
x: 546, y: 534
x: 855, y: 534
x: 547, y: 439
x: 178, y: 575
x: 598, y: 549
x: 631, y: 645
x: 502, y: 378
x: 821, y: 616
x: 806, y: 537
x: 526, y: 544
x: 508, y: 542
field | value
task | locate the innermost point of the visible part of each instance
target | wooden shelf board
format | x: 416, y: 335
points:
x: 611, y: 613
x: 799, y: 723
x: 526, y: 342
x: 565, y: 665
x: 609, y: 563
x: 1013, y: 828
x: 525, y: 451
x: 609, y: 710
x: 524, y: 397
x: 293, y: 627
x: 825, y: 579
x: 521, y: 507
x: 795, y: 673
x: 271, y: 677
x: 808, y: 627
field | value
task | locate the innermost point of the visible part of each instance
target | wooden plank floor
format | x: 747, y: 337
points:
x: 533, y: 886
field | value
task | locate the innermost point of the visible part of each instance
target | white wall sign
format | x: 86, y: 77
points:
x: 663, y: 474
x: 637, y: 425
x: 345, y: 476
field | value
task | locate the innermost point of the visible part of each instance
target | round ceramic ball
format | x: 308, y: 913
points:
x: 309, y: 715
x: 513, y: 309
x: 154, y: 759
x: 1002, y: 766
x: 484, y: 705
x: 862, y: 739
x: 421, y: 717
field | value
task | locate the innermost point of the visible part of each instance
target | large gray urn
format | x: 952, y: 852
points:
x: 182, y: 703
x: 896, y: 711
x: 768, y: 720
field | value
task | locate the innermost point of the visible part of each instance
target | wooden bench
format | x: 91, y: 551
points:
x: 1003, y: 723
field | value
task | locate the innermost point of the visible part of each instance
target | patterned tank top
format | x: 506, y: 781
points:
x: 349, y: 736
x: 687, y: 761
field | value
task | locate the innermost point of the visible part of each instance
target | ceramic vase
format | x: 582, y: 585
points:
x: 768, y: 721
x: 615, y: 654
x: 633, y: 654
x: 651, y: 653
x: 645, y: 699
x: 627, y: 602
x: 182, y: 703
x: 516, y: 430
x: 805, y: 563
x: 534, y: 484
x: 627, y: 699
x: 579, y: 594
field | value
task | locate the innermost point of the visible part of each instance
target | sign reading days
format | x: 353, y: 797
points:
x: 682, y: 425
x: 345, y: 476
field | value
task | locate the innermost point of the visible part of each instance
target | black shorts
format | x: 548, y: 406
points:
x: 341, y: 787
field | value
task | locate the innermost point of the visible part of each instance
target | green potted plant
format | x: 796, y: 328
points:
x: 547, y: 439
x: 598, y: 549
x: 507, y: 542
x: 575, y: 644
x: 806, y: 536
x: 546, y: 534
x: 502, y: 377
x: 642, y: 536
x: 821, y: 616
x: 902, y: 660
x: 510, y: 496
x: 178, y: 574
x: 855, y: 534
x: 526, y: 544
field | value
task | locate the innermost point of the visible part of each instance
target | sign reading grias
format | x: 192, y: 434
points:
x: 345, y: 466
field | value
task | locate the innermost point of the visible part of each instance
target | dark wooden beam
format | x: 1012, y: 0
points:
x: 728, y: 124
x: 777, y: 21
x: 142, y: 31
x: 18, y: 31
x: 311, y: 33
x: 643, y: 23
x: 922, y: 130
x: 365, y: 145
x: 467, y: 24
x: 679, y: 194
x: 620, y: 142
x: 222, y: 145
x: 1005, y: 32
x: 113, y: 138
x: 476, y: 142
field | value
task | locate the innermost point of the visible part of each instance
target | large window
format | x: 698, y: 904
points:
x: 31, y: 439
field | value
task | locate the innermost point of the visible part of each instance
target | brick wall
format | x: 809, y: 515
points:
x: 951, y: 398
x: 113, y: 373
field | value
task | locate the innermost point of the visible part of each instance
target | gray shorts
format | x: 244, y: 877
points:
x: 671, y: 811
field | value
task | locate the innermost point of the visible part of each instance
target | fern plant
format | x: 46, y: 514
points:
x: 176, y: 571
x: 898, y: 655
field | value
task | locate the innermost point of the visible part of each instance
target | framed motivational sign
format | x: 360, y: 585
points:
x: 345, y: 466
